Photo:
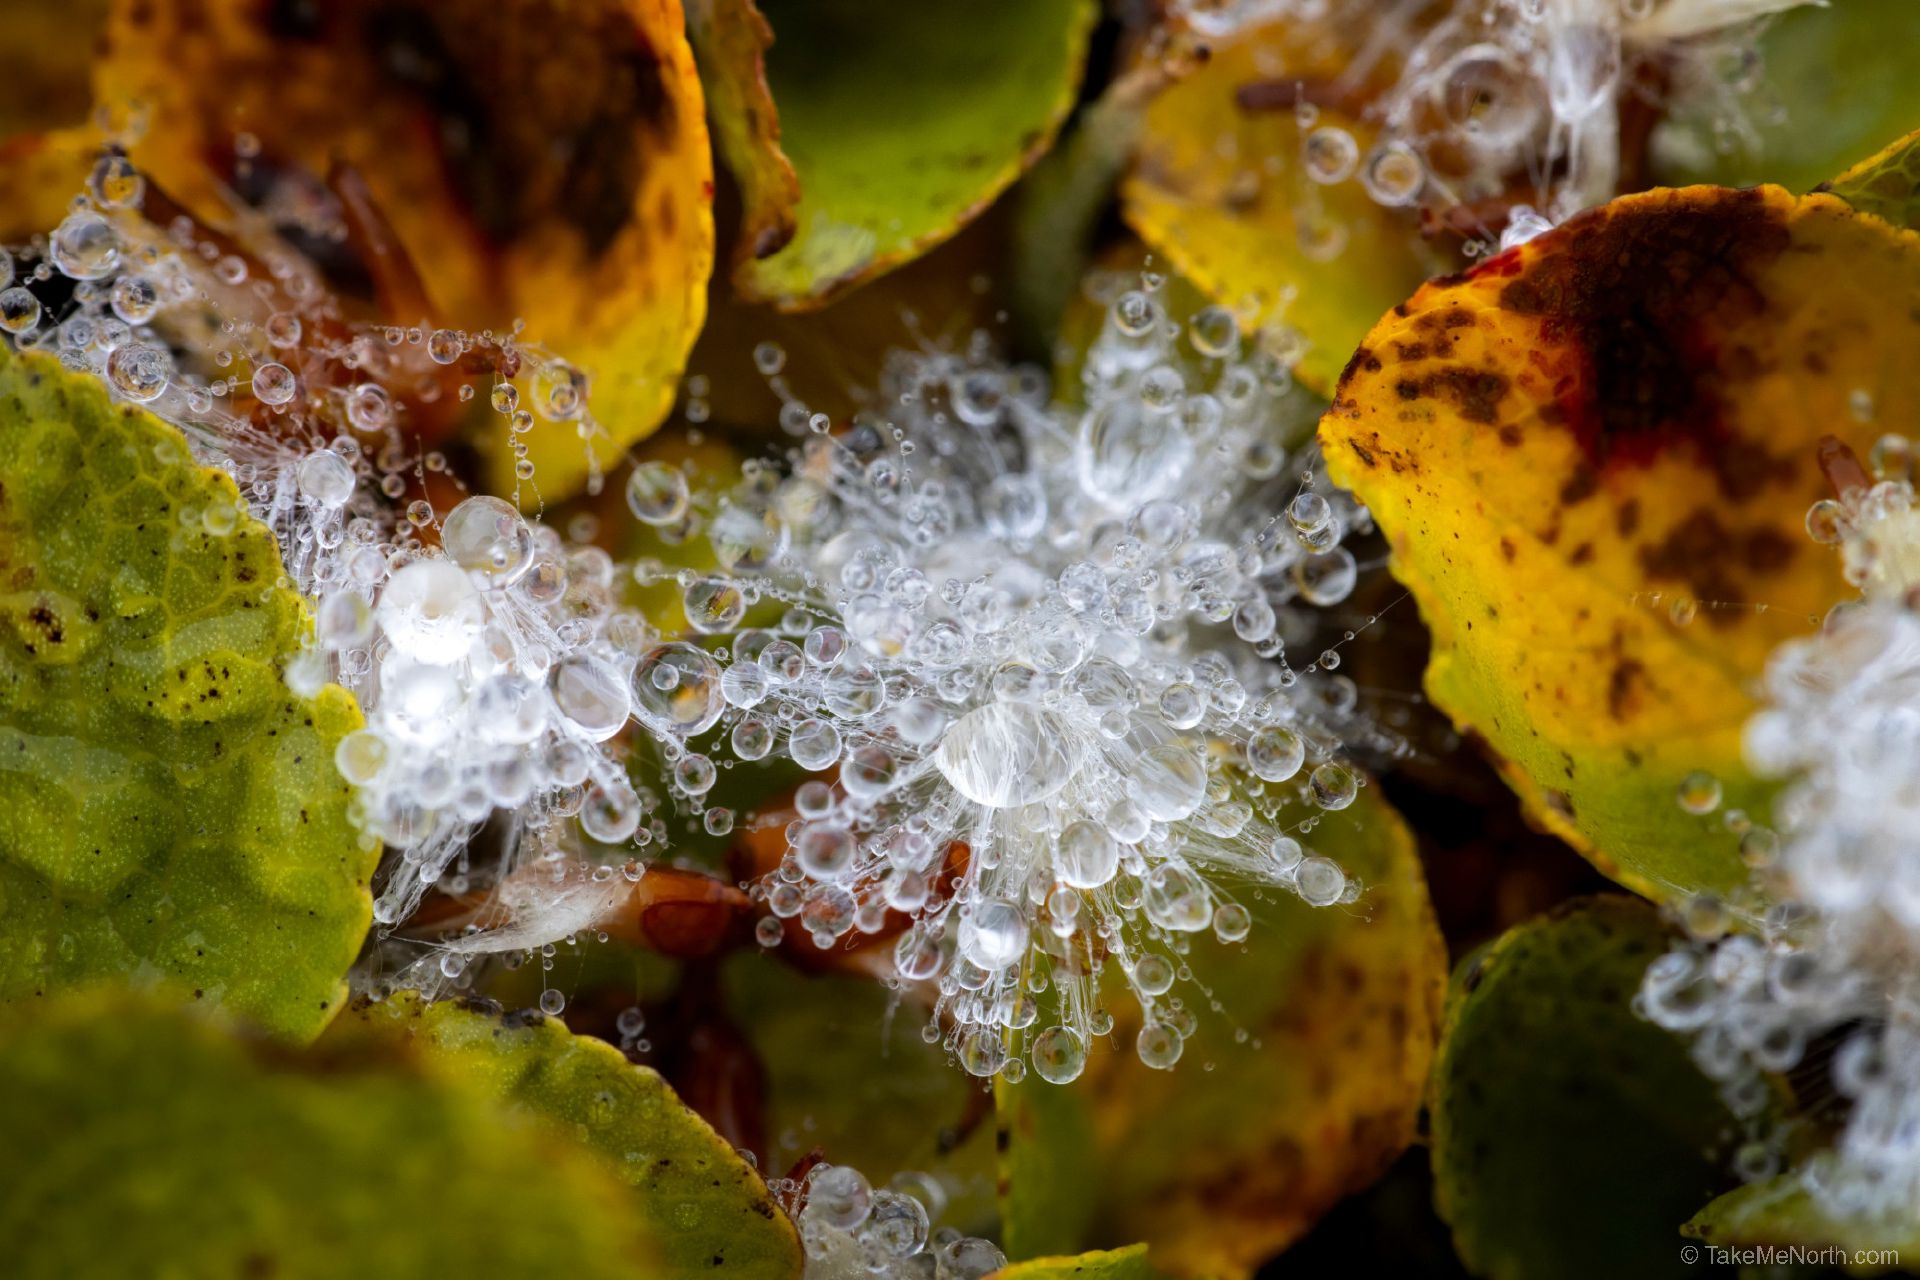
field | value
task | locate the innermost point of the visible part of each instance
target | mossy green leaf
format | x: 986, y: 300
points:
x: 145, y: 1140
x: 905, y: 121
x: 1300, y: 1083
x: 1836, y: 84
x: 1129, y: 1263
x: 704, y: 1209
x: 168, y: 809
x: 1570, y: 1137
x: 1885, y: 184
x: 1782, y: 1211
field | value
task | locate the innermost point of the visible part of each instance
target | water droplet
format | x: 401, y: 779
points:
x: 486, y: 536
x: 657, y: 493
x: 1699, y: 792
x: 1006, y: 754
x: 273, y: 384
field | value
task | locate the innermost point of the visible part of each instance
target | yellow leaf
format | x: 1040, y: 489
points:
x: 1593, y: 456
x: 1130, y: 1263
x: 49, y: 47
x: 1783, y: 1211
x: 40, y: 174
x: 1218, y: 187
x: 1299, y: 1087
x: 535, y: 166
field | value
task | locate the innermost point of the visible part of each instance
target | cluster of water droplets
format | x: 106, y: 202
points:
x: 853, y: 1230
x: 1043, y: 651
x: 1825, y: 956
x: 1453, y: 106
x: 1058, y: 661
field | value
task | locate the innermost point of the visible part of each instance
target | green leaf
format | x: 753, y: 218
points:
x: 904, y: 121
x: 1886, y: 184
x: 143, y: 1140
x: 704, y: 1208
x: 1299, y: 1086
x: 1783, y: 1212
x: 1059, y: 206
x: 1570, y: 1137
x: 848, y: 1075
x: 1129, y: 1263
x: 1838, y: 82
x: 1047, y: 1141
x: 168, y: 809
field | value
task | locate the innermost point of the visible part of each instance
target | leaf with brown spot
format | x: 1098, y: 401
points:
x: 1614, y: 422
x: 730, y: 41
x: 1218, y: 187
x: 1232, y: 1155
x: 1571, y: 1137
x: 904, y: 122
x: 538, y: 166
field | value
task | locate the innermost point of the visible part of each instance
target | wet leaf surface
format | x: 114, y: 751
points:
x: 1593, y: 456
x: 169, y: 811
x: 1338, y: 1008
x: 144, y: 1140
x: 551, y: 168
x: 1570, y: 1137
x: 1219, y: 189
x: 703, y: 1209
x: 904, y: 122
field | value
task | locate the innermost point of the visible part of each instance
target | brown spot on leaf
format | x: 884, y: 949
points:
x: 1623, y: 687
x: 1639, y: 294
x: 1704, y: 553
